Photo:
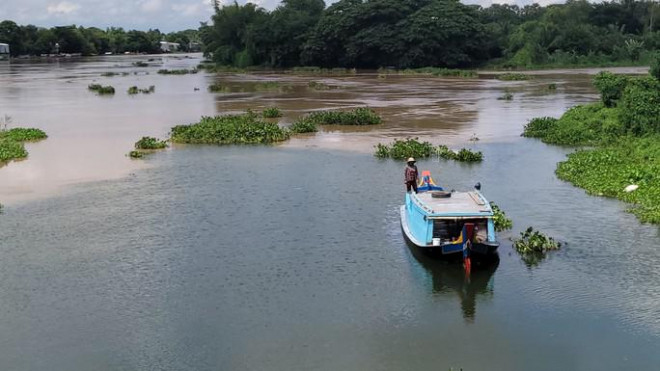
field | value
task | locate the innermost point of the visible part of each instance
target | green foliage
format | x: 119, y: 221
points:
x: 11, y: 150
x: 135, y: 90
x: 358, y: 116
x: 229, y: 129
x: 303, y: 125
x: 513, y: 77
x: 655, y: 66
x: 533, y: 246
x: 177, y: 72
x: 140, y: 64
x: 316, y: 85
x: 608, y: 170
x: 610, y: 87
x: 102, y: 90
x: 552, y: 87
x: 502, y: 223
x: 581, y: 125
x: 23, y: 134
x: 218, y: 88
x: 463, y: 155
x: 507, y: 96
x: 318, y: 71
x: 639, y: 107
x: 136, y: 154
x: 431, y: 71
x: 150, y: 143
x: 402, y: 149
x: 271, y: 112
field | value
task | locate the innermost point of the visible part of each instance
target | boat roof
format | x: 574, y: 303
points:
x: 460, y: 204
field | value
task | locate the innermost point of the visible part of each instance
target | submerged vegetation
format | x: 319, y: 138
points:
x: 177, y: 72
x: 624, y: 128
x: 271, y: 112
x: 430, y: 71
x: 358, y: 116
x: 534, y: 245
x: 513, y: 77
x: 502, y: 223
x: 229, y: 129
x: 101, y: 90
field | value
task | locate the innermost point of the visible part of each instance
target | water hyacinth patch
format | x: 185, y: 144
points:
x: 102, y: 90
x: 533, y: 246
x: 150, y: 143
x: 177, y: 72
x: 11, y: 142
x: 463, y: 155
x: 141, y: 64
x: 218, y: 88
x: 271, y: 112
x: 358, y: 116
x: 136, y: 154
x: 11, y: 150
x: 303, y: 125
x: 402, y: 149
x: 229, y: 129
x: 135, y: 90
x: 430, y: 71
x: 23, y: 134
x: 502, y: 223
x: 513, y: 77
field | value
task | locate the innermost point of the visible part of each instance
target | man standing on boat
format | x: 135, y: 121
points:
x: 411, y: 175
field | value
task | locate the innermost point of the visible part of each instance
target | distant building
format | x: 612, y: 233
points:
x: 4, y: 51
x: 168, y: 47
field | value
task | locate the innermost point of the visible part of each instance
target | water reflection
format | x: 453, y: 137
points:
x: 449, y: 278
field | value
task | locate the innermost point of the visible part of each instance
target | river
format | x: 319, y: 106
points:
x: 291, y: 257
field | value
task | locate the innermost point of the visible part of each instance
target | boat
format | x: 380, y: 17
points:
x: 449, y: 223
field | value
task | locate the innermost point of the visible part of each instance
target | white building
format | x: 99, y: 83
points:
x: 4, y: 51
x: 168, y: 47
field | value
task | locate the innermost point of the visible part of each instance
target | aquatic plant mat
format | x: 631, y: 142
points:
x: 229, y: 129
x: 533, y: 246
x: 412, y: 147
x: 11, y: 142
x: 358, y: 116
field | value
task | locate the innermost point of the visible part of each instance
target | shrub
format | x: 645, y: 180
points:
x: 358, y: 116
x: 229, y: 129
x: 538, y: 127
x: 402, y: 149
x: 271, y: 112
x: 150, y: 143
x: 639, y: 108
x: 303, y: 125
x: 610, y: 87
x: 102, y: 90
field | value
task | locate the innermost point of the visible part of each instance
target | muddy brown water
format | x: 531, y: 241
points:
x: 291, y: 256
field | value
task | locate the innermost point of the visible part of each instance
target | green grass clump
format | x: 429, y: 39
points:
x: 102, y: 90
x: 358, y: 116
x: 502, y: 223
x: 581, y: 125
x: 150, y: 143
x: 177, y: 72
x: 271, y: 112
x: 513, y: 77
x: 303, y: 125
x: 609, y: 169
x: 322, y: 71
x: 402, y: 149
x: 432, y: 71
x: 463, y: 155
x: 534, y: 245
x: 141, y: 64
x: 135, y: 90
x: 11, y: 150
x: 229, y: 129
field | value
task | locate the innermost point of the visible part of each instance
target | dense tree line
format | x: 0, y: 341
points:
x: 416, y: 33
x: 33, y: 40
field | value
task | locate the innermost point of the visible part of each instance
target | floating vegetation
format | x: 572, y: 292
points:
x: 267, y: 85
x: 507, y: 96
x: 430, y: 71
x: 136, y: 154
x: 109, y: 74
x: 513, y: 77
x: 135, y: 90
x: 141, y: 64
x: 1, y: 208
x: 219, y: 88
x: 552, y: 87
x: 229, y: 129
x: 11, y: 141
x: 150, y: 143
x: 102, y: 90
x: 502, y: 223
x: 271, y: 112
x: 303, y: 125
x: 463, y: 155
x: 358, y: 116
x: 177, y: 72
x: 533, y: 246
x: 322, y: 71
x: 402, y: 149
x: 317, y: 85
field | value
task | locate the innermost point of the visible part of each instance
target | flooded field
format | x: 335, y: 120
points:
x: 290, y: 257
